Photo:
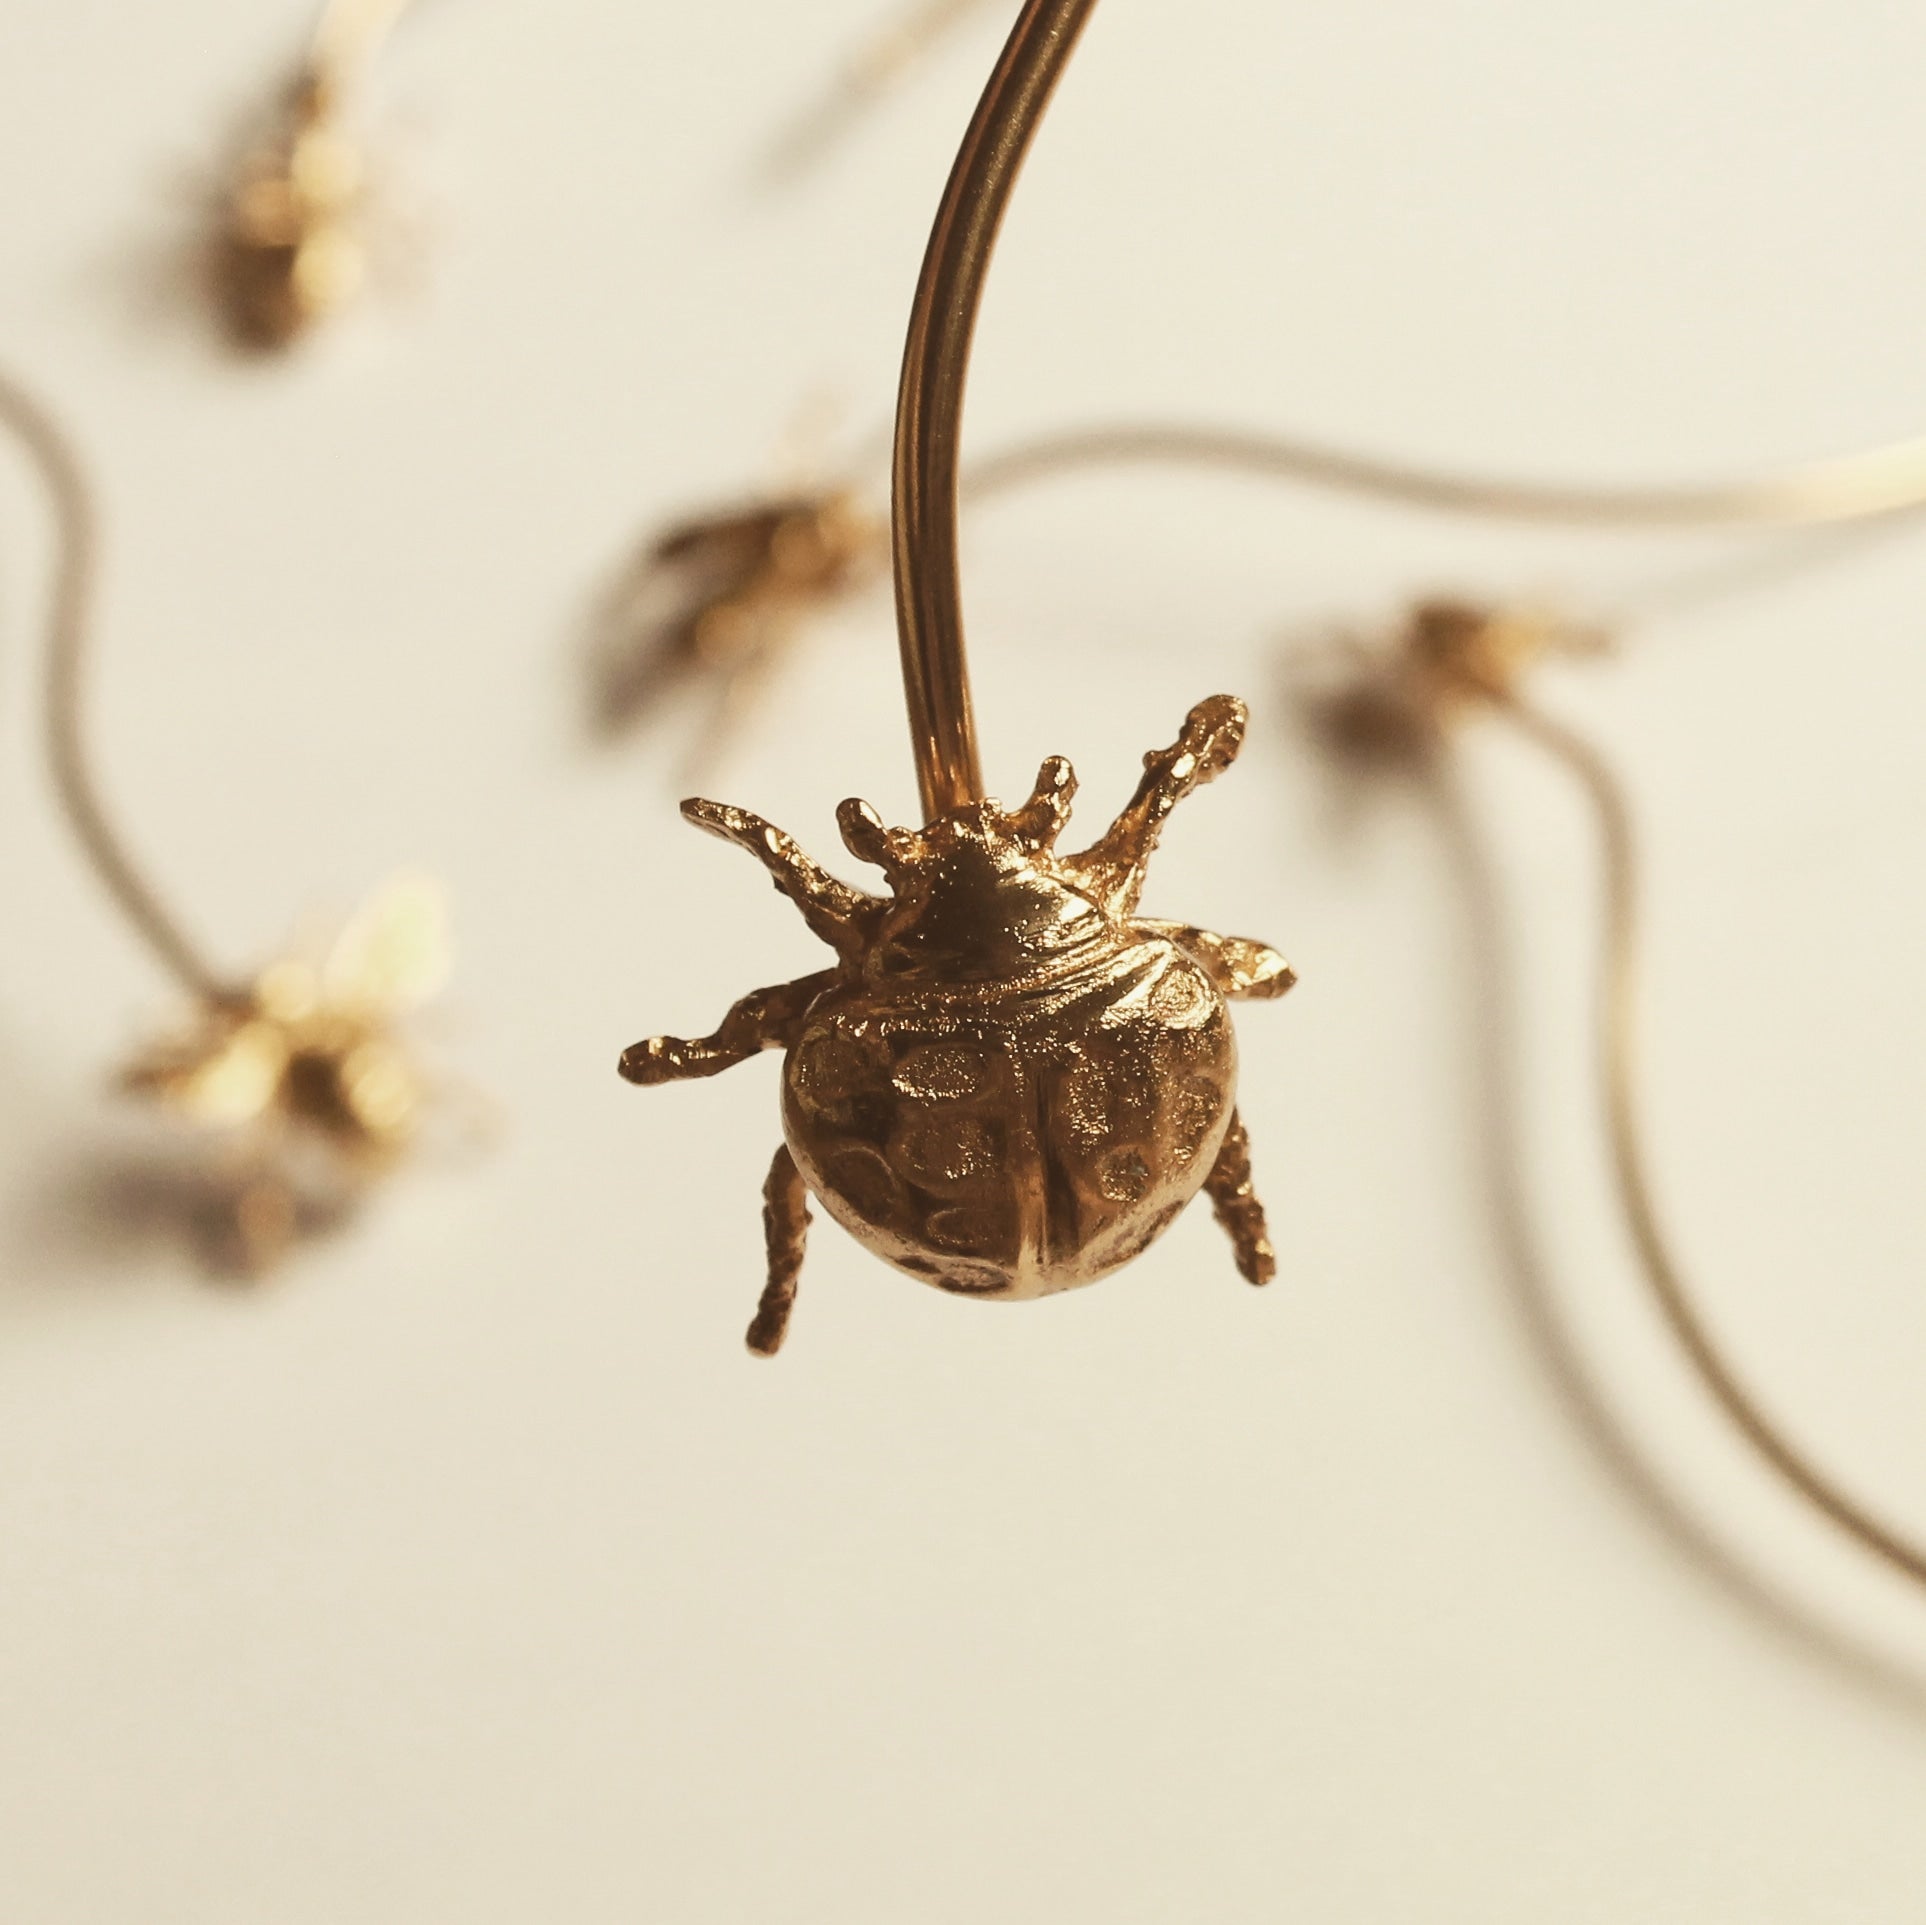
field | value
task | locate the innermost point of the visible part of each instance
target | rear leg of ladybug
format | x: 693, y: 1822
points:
x: 1237, y: 1207
x: 763, y: 1019
x: 785, y: 1228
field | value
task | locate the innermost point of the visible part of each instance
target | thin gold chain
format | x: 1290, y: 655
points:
x: 69, y: 621
x: 1617, y: 1020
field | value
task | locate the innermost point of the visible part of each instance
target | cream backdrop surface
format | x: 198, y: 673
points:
x: 469, y: 1570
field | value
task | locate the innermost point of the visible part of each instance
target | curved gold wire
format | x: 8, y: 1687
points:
x: 69, y: 618
x: 347, y: 37
x: 1618, y: 1050
x: 1884, y: 480
x: 929, y: 402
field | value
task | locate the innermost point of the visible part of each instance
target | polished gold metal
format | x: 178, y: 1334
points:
x: 1448, y: 659
x: 289, y: 248
x: 1008, y: 1085
x: 929, y: 402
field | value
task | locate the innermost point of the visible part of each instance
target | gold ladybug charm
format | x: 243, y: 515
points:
x: 1009, y: 1084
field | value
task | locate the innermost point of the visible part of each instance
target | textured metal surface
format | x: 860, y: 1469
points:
x: 1009, y: 1085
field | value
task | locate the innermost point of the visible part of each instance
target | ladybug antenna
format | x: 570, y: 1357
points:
x: 1040, y: 820
x: 865, y: 837
x: 841, y: 916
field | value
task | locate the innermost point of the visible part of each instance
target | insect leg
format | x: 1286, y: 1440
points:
x: 836, y: 913
x: 1237, y: 1207
x: 763, y: 1019
x: 1205, y: 747
x: 1245, y: 971
x: 785, y: 1226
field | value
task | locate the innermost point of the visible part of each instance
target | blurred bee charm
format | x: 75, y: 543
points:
x: 306, y: 1071
x: 721, y: 598
x: 1009, y: 1084
x: 290, y: 241
x: 288, y: 249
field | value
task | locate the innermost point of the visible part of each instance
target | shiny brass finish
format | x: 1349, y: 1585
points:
x: 1008, y: 1084
x: 929, y: 404
x: 1235, y: 1202
x: 306, y: 1071
x: 288, y: 248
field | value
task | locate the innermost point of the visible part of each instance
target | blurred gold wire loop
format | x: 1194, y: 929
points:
x: 300, y: 1065
x: 1452, y: 657
x: 1884, y: 480
x: 930, y: 402
x: 69, y: 619
x: 876, y: 66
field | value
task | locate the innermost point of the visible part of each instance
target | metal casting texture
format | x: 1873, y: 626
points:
x: 1009, y: 1084
x: 929, y: 403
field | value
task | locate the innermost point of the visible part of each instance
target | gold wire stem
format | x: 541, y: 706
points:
x: 346, y: 39
x: 1618, y: 1051
x: 69, y: 614
x: 1856, y: 487
x: 929, y: 404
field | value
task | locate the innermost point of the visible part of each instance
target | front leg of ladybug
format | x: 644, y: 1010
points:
x: 763, y: 1019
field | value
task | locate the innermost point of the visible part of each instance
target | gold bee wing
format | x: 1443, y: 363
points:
x: 394, y: 952
x: 226, y: 1074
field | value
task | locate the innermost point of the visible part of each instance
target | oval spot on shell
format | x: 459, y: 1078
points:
x: 826, y: 1069
x: 1124, y: 1176
x: 1194, y: 1105
x: 1178, y: 994
x: 1084, y: 1102
x: 863, y: 1178
x: 947, y: 1149
x: 939, y: 1072
x: 958, y: 1228
x: 972, y: 1280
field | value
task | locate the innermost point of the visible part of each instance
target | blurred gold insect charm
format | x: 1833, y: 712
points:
x: 288, y: 248
x: 1391, y: 698
x: 306, y: 1071
x: 721, y: 598
x: 1009, y: 1084
x: 292, y: 229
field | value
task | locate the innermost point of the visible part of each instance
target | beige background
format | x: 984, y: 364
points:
x: 470, y: 1571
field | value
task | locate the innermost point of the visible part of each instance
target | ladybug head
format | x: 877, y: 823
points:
x: 978, y: 891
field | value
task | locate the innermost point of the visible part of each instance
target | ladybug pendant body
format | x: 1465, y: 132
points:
x: 1009, y: 1141
x: 1010, y: 1083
